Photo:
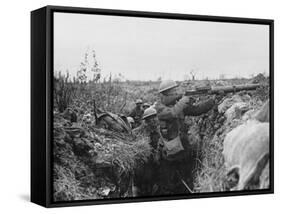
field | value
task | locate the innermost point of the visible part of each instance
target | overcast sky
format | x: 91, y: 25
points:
x: 145, y: 48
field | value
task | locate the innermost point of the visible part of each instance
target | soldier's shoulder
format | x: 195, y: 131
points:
x: 185, y: 99
x: 159, y: 106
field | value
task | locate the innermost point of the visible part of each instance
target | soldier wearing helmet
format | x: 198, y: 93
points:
x: 174, y: 107
x: 147, y: 175
x: 145, y: 106
x: 149, y: 113
x: 152, y: 127
x: 137, y: 113
x: 179, y: 154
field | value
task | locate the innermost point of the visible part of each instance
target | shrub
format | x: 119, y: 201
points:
x: 64, y: 91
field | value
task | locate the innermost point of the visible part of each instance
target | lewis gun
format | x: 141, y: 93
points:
x: 221, y: 89
x: 209, y: 90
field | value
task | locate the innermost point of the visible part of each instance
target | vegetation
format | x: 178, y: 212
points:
x: 92, y: 162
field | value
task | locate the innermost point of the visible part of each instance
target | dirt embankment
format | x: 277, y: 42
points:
x: 93, y: 163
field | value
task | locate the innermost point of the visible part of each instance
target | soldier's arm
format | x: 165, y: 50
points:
x: 184, y: 107
x: 171, y: 100
x: 164, y: 112
x: 201, y: 108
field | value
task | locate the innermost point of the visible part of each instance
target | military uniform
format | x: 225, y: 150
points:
x: 171, y: 118
x: 147, y: 176
x: 167, y: 174
x: 155, y: 140
x: 136, y: 114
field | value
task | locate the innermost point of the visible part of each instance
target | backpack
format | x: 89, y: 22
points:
x: 173, y: 149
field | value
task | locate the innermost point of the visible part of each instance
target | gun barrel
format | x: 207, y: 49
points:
x: 219, y: 89
x: 234, y: 88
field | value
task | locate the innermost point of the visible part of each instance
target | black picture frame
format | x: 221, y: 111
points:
x: 42, y: 102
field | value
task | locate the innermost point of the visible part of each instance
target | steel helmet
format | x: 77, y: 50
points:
x: 166, y: 85
x: 149, y: 112
x: 130, y: 120
x: 146, y: 104
x: 138, y: 101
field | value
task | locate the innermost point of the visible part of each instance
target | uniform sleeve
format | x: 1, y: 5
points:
x: 175, y: 111
x: 184, y: 107
x: 171, y: 100
x: 201, y: 108
x: 164, y: 112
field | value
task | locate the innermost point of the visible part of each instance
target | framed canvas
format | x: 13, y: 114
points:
x: 131, y: 106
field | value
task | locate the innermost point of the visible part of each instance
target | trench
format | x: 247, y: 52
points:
x: 77, y: 175
x: 164, y: 178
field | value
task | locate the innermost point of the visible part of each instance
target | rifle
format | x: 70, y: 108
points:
x: 221, y: 89
x: 208, y: 90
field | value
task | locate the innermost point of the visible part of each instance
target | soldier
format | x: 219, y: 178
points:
x: 145, y: 106
x: 137, y: 113
x: 179, y: 154
x: 147, y: 176
x: 152, y: 129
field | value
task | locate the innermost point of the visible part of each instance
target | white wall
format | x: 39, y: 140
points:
x: 15, y: 105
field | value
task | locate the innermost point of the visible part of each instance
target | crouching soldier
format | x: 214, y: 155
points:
x: 179, y: 155
x: 145, y: 106
x: 147, y: 176
x: 137, y: 113
x: 152, y: 128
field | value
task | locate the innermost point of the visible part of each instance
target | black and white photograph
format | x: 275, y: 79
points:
x: 148, y: 107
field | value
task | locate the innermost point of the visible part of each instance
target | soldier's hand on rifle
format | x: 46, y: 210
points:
x: 192, y: 100
x: 154, y: 104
